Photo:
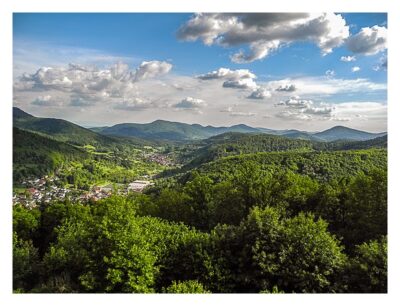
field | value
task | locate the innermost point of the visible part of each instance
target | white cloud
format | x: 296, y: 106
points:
x: 296, y: 102
x: 286, y: 88
x: 260, y: 93
x: 368, y: 41
x: 233, y: 113
x: 240, y: 78
x: 265, y: 32
x: 241, y: 84
x: 348, y: 58
x: 355, y: 69
x: 191, y: 103
x: 225, y: 73
x: 87, y: 85
x: 302, y: 109
x: 133, y: 104
x: 318, y: 86
x: 258, y: 50
x: 242, y: 114
x: 151, y: 69
x: 330, y: 73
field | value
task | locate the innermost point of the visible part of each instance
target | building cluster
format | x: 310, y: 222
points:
x: 160, y: 159
x: 40, y: 190
x: 45, y: 190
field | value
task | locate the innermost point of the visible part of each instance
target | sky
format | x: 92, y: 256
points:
x: 305, y: 71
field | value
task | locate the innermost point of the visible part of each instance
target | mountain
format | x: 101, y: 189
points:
x: 175, y: 131
x: 19, y: 114
x: 345, y: 133
x: 59, y: 129
x: 35, y: 155
x: 162, y: 130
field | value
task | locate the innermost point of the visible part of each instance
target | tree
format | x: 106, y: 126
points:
x: 25, y: 264
x: 191, y: 286
x: 113, y: 250
x: 25, y: 222
x: 367, y: 270
x: 268, y: 249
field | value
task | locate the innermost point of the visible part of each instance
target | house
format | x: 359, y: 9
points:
x: 138, y: 186
x: 31, y: 191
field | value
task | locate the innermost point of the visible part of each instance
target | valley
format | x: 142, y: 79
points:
x: 222, y: 196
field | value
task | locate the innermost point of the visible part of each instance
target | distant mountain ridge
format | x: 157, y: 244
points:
x: 160, y: 130
x: 342, y: 132
x: 177, y: 131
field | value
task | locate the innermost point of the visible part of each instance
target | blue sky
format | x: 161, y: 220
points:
x: 101, y: 40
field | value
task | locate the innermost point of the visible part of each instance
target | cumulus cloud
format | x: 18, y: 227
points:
x: 325, y: 110
x: 303, y: 109
x: 286, y: 88
x: 348, y: 58
x: 43, y: 101
x: 240, y: 78
x: 225, y: 73
x: 191, y: 103
x: 296, y: 102
x: 87, y: 85
x: 355, y: 69
x: 258, y: 50
x: 263, y: 33
x: 151, y: 69
x: 241, y: 84
x: 368, y: 41
x: 260, y: 93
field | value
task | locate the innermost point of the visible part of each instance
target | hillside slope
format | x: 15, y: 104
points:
x: 59, y: 129
x: 36, y: 155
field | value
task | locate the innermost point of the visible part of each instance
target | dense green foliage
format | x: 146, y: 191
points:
x: 254, y: 232
x: 35, y: 155
x: 323, y: 166
x: 236, y: 143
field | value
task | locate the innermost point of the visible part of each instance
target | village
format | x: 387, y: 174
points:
x: 47, y: 189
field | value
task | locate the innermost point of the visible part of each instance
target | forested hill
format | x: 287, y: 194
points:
x: 378, y: 142
x: 175, y: 131
x: 59, y: 129
x: 34, y: 154
x: 230, y: 144
x: 342, y: 132
x: 237, y: 143
x: 322, y: 166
